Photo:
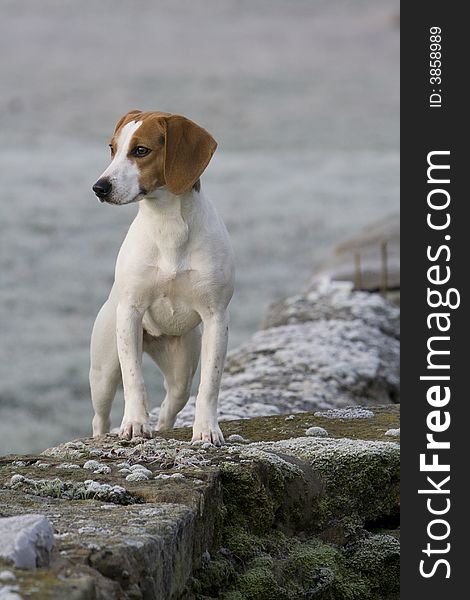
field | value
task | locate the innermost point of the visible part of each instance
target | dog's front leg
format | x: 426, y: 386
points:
x: 214, y: 349
x: 129, y: 344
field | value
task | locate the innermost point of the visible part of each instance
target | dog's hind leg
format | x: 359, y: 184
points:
x: 105, y: 370
x: 178, y: 358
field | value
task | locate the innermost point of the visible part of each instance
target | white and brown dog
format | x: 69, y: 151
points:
x: 174, y: 272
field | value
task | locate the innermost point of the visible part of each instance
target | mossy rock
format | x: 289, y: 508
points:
x: 282, y: 515
x: 273, y: 429
x: 307, y: 568
x: 307, y: 484
x: 377, y: 557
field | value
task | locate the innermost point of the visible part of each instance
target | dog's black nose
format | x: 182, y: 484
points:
x: 102, y: 187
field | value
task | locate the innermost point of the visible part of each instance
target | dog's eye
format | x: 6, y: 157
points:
x: 140, y: 151
x: 111, y: 148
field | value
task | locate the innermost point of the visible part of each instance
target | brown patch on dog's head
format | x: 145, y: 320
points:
x: 179, y: 150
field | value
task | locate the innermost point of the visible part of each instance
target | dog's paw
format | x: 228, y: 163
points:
x: 164, y: 425
x: 132, y: 429
x: 207, y: 432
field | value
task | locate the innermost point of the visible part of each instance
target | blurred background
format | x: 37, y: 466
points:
x: 302, y: 98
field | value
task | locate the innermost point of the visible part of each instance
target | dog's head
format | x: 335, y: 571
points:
x: 150, y: 150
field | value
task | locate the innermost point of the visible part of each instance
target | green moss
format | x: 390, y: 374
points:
x: 259, y: 583
x: 242, y: 544
x: 278, y: 544
x: 359, y: 486
x: 264, y: 488
x: 320, y: 571
x: 248, y: 499
x: 377, y: 557
x: 261, y: 429
x: 233, y: 595
x: 346, y: 485
x: 278, y: 566
x: 304, y: 562
x: 214, y: 575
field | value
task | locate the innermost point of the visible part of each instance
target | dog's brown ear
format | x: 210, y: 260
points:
x: 188, y: 150
x: 127, y: 117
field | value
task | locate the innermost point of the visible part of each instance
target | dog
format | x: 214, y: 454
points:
x: 174, y: 278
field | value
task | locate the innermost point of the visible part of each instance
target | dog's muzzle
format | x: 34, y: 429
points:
x: 102, y: 188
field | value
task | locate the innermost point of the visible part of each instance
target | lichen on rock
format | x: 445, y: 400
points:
x: 73, y: 490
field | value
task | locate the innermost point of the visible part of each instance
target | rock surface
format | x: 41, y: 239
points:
x: 27, y: 540
x: 275, y: 514
x: 336, y: 300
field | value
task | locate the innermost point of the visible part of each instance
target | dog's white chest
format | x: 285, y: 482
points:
x: 172, y: 310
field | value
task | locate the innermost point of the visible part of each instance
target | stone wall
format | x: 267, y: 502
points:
x: 293, y: 506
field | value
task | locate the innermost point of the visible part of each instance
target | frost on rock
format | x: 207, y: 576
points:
x: 73, y: 490
x: 393, y: 432
x: 73, y: 449
x: 138, y: 475
x: 103, y: 488
x: 96, y: 467
x: 352, y: 412
x: 326, y: 451
x: 187, y: 457
x: 141, y: 469
x: 316, y: 432
x: 235, y: 438
x: 336, y: 300
x: 269, y: 455
x: 17, y: 479
x: 315, y: 365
